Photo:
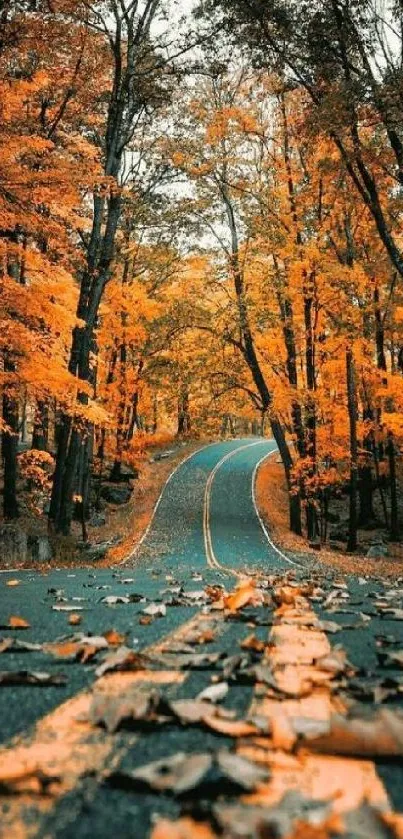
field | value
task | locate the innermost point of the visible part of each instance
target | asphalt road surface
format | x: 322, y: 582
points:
x: 205, y: 531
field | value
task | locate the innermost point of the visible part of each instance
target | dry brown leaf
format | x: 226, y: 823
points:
x: 231, y: 728
x: 178, y: 774
x: 193, y: 711
x: 114, y: 712
x: 183, y: 829
x: 65, y: 649
x: 145, y: 620
x: 122, y: 659
x: 75, y: 619
x: 114, y: 638
x: 183, y: 772
x: 333, y: 662
x: 243, y: 772
x: 214, y: 592
x: 205, y: 636
x: 378, y: 735
x: 253, y: 643
x: 30, y: 677
x: 214, y: 693
x: 287, y: 595
x: 245, y: 594
x: 394, y: 821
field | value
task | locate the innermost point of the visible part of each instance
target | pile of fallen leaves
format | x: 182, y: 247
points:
x: 310, y: 704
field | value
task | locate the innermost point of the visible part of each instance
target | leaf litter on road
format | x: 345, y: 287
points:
x: 182, y: 772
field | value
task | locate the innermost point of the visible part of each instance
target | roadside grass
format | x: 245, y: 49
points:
x: 272, y: 502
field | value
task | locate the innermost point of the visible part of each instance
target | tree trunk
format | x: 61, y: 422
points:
x: 92, y: 287
x: 311, y: 510
x: 184, y: 420
x: 40, y: 432
x: 352, y: 415
x: 10, y: 447
x: 394, y: 512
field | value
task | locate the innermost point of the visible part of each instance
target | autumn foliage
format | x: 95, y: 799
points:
x: 191, y: 257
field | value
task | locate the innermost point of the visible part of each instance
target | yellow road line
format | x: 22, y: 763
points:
x: 292, y: 654
x: 65, y: 746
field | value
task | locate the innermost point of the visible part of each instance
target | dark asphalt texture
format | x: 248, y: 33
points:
x: 173, y: 549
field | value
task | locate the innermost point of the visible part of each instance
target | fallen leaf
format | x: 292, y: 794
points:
x: 13, y: 583
x: 379, y: 735
x: 392, y: 614
x: 287, y: 595
x: 214, y: 592
x: 115, y: 712
x: 183, y: 772
x: 75, y: 619
x: 392, y: 658
x: 66, y: 649
x: 294, y: 817
x: 253, y: 643
x: 12, y: 644
x: 196, y: 661
x: 145, y: 620
x: 30, y: 677
x: 333, y: 662
x: 328, y: 626
x: 83, y: 649
x: 114, y: 599
x: 205, y: 636
x: 231, y: 728
x: 156, y: 610
x: 243, y: 772
x: 114, y: 638
x: 122, y: 659
x: 185, y: 828
x: 178, y: 774
x: 214, y: 693
x: 16, y: 622
x: 245, y: 594
x: 194, y: 711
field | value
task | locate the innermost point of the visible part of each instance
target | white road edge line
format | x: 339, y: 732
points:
x: 262, y: 524
x: 212, y: 560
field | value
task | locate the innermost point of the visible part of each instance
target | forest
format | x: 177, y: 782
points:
x: 201, y: 235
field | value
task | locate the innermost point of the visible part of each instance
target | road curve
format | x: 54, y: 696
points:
x: 207, y: 518
x: 206, y: 528
x: 175, y: 545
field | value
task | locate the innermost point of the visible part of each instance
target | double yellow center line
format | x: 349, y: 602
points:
x: 211, y: 558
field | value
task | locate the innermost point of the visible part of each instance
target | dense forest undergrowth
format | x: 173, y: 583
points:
x: 201, y: 236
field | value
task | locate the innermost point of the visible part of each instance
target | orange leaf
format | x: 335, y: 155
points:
x: 16, y: 622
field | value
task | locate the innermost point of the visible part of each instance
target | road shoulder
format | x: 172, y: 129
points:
x: 272, y: 504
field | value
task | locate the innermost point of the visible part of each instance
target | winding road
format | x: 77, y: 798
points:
x: 206, y: 523
x: 205, y: 530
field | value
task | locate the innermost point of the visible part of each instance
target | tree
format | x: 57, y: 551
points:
x: 347, y: 56
x: 132, y: 92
